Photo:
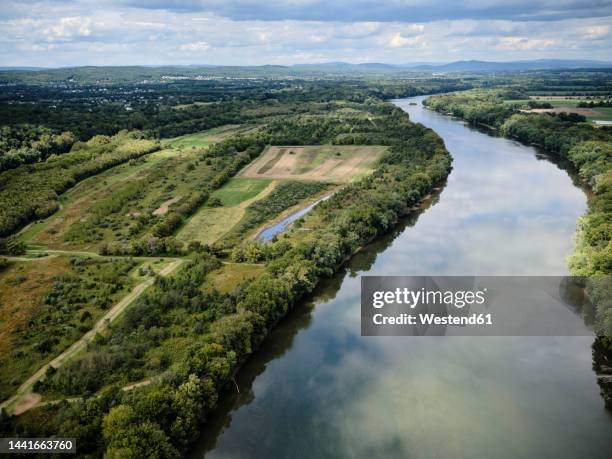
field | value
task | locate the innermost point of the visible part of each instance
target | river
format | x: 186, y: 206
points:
x: 317, y: 388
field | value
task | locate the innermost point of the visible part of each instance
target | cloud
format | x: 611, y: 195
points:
x: 597, y: 32
x: 68, y: 28
x: 195, y: 46
x: 398, y: 41
x: 127, y: 32
x: 389, y: 11
x: 523, y: 43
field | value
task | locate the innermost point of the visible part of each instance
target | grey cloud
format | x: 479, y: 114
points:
x: 386, y: 11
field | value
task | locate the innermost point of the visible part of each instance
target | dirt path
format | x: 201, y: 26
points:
x: 33, y: 400
x: 24, y: 399
x: 77, y: 253
x: 577, y: 110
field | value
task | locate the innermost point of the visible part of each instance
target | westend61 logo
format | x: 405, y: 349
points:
x: 470, y: 305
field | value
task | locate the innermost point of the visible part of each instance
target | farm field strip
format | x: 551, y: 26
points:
x: 209, y: 224
x: 331, y: 163
x: 202, y: 139
x: 566, y: 104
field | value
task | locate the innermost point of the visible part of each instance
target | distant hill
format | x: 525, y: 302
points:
x: 485, y: 66
x: 124, y: 74
x: 458, y: 66
x: 345, y: 67
x: 22, y: 68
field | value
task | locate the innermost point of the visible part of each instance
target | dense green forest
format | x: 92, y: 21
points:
x: 24, y: 143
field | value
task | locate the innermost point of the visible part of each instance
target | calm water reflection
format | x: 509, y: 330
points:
x: 319, y: 389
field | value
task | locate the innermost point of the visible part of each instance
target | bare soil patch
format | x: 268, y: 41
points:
x: 578, y: 111
x: 558, y: 97
x: 163, y: 209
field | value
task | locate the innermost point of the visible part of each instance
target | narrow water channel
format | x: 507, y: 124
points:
x: 268, y: 233
x: 319, y: 389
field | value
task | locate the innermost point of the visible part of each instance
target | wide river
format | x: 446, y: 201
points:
x: 317, y: 388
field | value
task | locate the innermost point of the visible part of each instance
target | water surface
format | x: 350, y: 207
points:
x: 319, y: 389
x: 268, y: 233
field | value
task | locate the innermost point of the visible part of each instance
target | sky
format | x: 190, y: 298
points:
x: 54, y: 33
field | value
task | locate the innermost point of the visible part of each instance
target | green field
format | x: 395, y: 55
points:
x: 606, y: 114
x: 210, y: 224
x: 201, y: 139
x: 91, y: 190
x: 554, y: 102
x: 125, y: 201
x: 226, y: 278
x: 239, y: 189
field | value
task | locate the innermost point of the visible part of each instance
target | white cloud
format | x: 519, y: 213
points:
x: 69, y: 27
x: 195, y: 46
x: 523, y: 43
x: 357, y: 30
x: 597, y: 32
x: 318, y: 38
x: 399, y: 41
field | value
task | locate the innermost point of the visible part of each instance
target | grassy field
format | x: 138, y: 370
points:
x: 226, y: 278
x: 194, y: 104
x: 209, y: 224
x: 568, y: 105
x: 330, y: 163
x: 90, y: 191
x: 46, y: 304
x: 239, y: 189
x: 201, y: 139
x: 606, y: 114
x: 554, y: 102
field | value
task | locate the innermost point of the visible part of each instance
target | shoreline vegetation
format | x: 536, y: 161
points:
x: 589, y: 150
x: 189, y: 338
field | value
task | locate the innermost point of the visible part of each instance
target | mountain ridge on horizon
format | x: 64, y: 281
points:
x: 460, y: 65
